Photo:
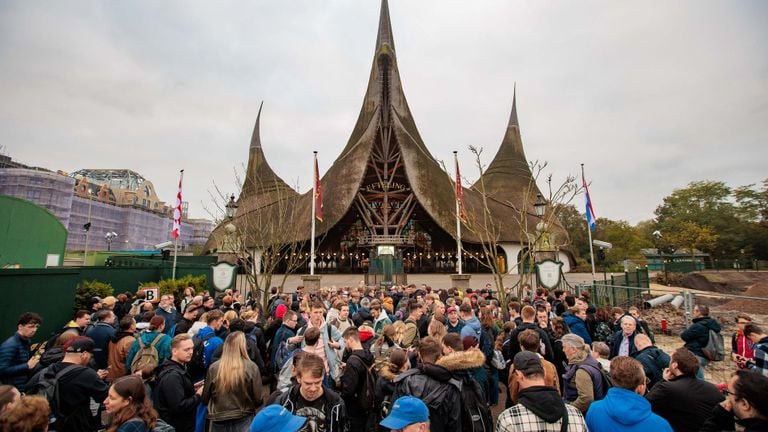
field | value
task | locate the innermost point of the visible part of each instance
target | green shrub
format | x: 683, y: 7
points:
x: 87, y: 289
x: 176, y: 287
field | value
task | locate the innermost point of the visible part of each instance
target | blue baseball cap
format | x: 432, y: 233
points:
x: 406, y: 410
x: 275, y: 418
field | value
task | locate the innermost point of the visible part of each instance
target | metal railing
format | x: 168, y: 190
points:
x: 602, y: 294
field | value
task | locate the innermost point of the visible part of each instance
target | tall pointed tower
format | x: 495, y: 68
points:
x: 260, y: 180
x: 386, y: 189
x: 509, y: 176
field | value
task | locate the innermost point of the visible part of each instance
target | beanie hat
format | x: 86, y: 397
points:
x: 280, y: 311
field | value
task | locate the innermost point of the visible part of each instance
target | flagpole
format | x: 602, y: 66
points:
x: 458, y: 214
x: 178, y: 233
x: 314, y: 210
x: 589, y: 231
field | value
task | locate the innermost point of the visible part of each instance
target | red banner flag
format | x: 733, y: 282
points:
x: 460, y: 194
x: 318, y: 194
x: 176, y: 232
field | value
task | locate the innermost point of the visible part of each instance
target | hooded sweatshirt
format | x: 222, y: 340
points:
x: 624, y: 410
x: 697, y: 335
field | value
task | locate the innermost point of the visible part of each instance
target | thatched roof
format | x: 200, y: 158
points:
x: 505, y: 180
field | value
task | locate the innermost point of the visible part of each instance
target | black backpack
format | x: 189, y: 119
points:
x: 475, y: 414
x: 196, y: 365
x: 486, y: 344
x: 367, y: 395
x: 48, y: 387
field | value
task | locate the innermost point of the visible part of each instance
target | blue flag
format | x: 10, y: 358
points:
x: 589, y: 210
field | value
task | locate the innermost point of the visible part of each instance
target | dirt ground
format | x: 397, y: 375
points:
x: 719, y: 291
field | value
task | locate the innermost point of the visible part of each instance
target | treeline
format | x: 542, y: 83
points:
x: 725, y: 222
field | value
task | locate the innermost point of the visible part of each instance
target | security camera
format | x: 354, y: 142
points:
x: 163, y: 245
x: 602, y: 244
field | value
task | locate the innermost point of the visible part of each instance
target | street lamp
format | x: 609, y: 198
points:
x: 109, y: 237
x: 87, y: 225
x: 539, y: 206
x: 231, y: 207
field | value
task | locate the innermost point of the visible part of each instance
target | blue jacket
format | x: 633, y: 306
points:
x: 210, y: 345
x: 697, y: 335
x: 101, y: 334
x: 578, y: 327
x: 624, y: 410
x: 14, y: 355
x: 163, y: 347
x: 170, y: 318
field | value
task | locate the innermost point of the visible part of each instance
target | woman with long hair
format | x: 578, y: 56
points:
x: 232, y: 387
x: 396, y: 364
x: 384, y: 344
x: 129, y: 406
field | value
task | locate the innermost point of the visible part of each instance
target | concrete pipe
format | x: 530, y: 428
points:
x: 658, y: 300
x: 677, y: 302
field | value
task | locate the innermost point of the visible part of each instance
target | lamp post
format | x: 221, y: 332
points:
x: 87, y: 226
x: 109, y: 237
x: 657, y: 240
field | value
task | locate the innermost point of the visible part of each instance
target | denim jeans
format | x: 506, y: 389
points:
x: 703, y: 362
x: 240, y: 425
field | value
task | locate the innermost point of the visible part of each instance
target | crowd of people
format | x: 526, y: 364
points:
x: 364, y: 358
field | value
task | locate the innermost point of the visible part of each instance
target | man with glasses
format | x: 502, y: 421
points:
x: 746, y: 401
x: 15, y: 358
x: 681, y: 398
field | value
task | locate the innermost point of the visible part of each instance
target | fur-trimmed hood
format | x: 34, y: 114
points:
x: 462, y: 360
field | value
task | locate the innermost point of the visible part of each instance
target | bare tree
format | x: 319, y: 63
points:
x: 267, y: 237
x: 486, y: 224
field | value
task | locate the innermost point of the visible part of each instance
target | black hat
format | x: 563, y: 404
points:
x: 81, y: 344
x: 528, y: 362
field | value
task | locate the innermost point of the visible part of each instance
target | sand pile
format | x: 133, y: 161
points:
x: 751, y: 305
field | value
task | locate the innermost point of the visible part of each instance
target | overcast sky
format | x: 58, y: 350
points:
x: 649, y: 95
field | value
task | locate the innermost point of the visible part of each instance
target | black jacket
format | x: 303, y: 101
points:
x: 722, y: 420
x: 685, y: 401
x: 544, y: 401
x: 513, y: 347
x: 176, y: 400
x: 353, y: 380
x: 438, y: 389
x: 616, y: 340
x: 76, y: 388
x: 334, y: 409
x: 654, y: 362
x: 697, y: 335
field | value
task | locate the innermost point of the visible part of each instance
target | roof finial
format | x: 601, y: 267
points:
x: 256, y: 137
x: 385, y: 28
x: 513, y: 115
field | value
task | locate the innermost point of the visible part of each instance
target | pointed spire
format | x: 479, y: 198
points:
x: 256, y: 137
x: 385, y: 29
x: 513, y: 116
x: 259, y: 177
x: 509, y: 174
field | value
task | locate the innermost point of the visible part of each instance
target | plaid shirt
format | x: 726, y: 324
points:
x: 521, y: 419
